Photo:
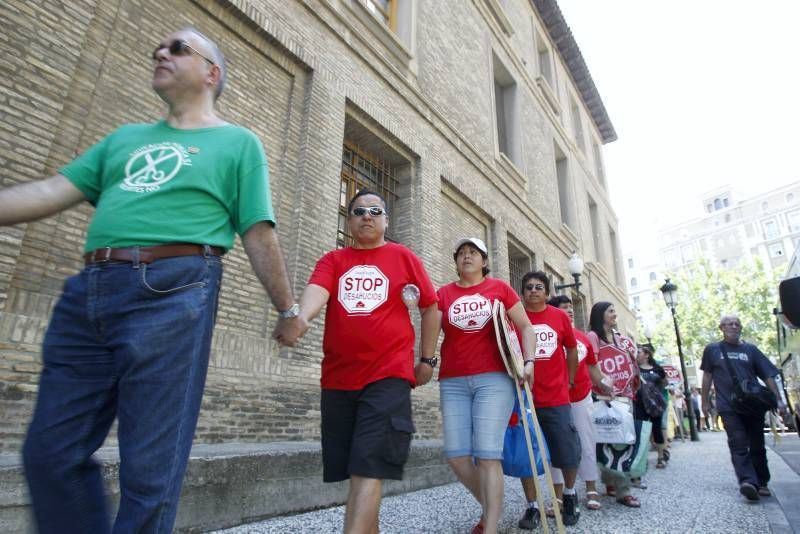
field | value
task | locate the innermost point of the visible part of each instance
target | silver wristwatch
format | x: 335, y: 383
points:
x: 291, y: 313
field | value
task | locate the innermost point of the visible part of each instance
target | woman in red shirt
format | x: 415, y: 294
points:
x: 605, y: 339
x: 476, y: 393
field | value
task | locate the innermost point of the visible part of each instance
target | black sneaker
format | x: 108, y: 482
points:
x: 531, y: 519
x: 749, y: 491
x: 570, y: 513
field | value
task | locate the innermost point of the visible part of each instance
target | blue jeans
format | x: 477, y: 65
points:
x: 475, y: 413
x: 129, y: 341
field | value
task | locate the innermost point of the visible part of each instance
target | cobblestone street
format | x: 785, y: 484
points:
x: 695, y: 493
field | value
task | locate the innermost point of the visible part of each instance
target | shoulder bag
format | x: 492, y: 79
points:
x: 748, y: 397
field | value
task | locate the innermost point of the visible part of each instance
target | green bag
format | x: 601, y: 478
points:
x: 627, y: 460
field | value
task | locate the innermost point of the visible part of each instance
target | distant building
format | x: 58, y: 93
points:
x: 730, y: 231
x: 766, y: 226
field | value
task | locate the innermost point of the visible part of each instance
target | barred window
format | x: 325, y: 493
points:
x: 361, y: 170
x: 519, y: 263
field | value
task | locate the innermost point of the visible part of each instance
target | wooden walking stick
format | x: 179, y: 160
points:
x: 511, y: 353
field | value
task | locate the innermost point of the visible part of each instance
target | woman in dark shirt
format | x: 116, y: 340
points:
x: 654, y: 374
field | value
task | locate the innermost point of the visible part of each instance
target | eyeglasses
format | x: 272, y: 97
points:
x: 537, y: 287
x: 179, y: 47
x: 374, y: 211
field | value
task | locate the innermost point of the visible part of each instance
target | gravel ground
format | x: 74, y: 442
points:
x: 697, y: 492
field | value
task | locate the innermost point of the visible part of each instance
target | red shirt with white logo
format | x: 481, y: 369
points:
x: 470, y: 344
x: 586, y: 357
x: 368, y: 331
x: 550, y: 376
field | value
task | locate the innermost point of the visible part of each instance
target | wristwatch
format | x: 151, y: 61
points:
x: 291, y: 313
x: 430, y: 361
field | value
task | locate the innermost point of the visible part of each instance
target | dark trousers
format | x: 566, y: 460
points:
x: 746, y: 443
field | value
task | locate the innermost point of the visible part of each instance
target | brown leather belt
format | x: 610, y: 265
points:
x: 149, y: 254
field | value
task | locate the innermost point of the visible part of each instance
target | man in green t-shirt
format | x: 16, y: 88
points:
x: 130, y: 337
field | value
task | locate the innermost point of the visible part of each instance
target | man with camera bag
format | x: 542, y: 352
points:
x: 735, y: 367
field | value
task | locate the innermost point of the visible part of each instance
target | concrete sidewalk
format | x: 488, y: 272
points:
x: 697, y: 492
x: 784, y: 512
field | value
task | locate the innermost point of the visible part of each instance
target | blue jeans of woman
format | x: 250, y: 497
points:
x: 475, y: 411
x: 130, y: 341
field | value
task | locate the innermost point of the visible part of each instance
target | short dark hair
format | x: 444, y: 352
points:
x: 485, y: 269
x: 538, y: 275
x: 363, y: 193
x: 558, y: 300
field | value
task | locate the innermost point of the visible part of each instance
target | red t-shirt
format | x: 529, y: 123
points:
x: 617, y: 360
x: 368, y: 330
x: 586, y: 357
x: 470, y: 344
x: 550, y: 376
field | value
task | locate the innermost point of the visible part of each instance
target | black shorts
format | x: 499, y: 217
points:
x: 366, y: 432
x: 561, y: 436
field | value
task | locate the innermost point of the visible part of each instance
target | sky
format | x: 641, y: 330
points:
x: 701, y: 93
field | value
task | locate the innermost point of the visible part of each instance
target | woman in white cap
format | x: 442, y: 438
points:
x: 476, y: 393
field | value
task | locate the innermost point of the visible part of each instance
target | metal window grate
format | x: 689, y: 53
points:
x: 361, y: 170
x: 519, y: 264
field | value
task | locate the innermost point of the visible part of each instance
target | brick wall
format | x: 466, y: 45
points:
x: 72, y: 71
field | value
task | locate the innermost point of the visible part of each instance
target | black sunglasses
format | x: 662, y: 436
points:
x: 179, y: 47
x: 531, y: 287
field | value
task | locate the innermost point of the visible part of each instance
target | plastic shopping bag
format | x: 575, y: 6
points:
x: 613, y: 423
x: 516, y: 462
x: 628, y: 460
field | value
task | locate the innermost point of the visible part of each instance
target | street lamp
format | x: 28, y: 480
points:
x: 670, y: 292
x: 575, y: 265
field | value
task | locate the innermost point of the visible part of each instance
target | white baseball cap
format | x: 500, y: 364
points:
x: 475, y: 242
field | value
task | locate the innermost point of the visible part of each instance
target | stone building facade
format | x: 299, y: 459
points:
x: 475, y: 117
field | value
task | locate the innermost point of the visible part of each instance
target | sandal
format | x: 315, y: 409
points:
x: 630, y: 501
x: 661, y: 464
x: 611, y: 491
x: 549, y: 512
x: 591, y: 502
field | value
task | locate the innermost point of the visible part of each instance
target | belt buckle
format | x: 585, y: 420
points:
x: 103, y: 260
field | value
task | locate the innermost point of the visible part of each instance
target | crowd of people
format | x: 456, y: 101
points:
x: 111, y: 349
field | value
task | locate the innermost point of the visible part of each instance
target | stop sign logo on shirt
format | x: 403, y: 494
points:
x: 362, y: 289
x: 470, y: 312
x: 582, y: 351
x: 546, y: 341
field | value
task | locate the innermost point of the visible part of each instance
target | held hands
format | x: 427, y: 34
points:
x: 422, y: 373
x: 289, y: 330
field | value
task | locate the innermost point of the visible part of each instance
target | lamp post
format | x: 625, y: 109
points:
x: 670, y: 292
x: 575, y: 265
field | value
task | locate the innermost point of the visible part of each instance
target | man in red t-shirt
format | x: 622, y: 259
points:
x: 368, y: 365
x: 554, y: 373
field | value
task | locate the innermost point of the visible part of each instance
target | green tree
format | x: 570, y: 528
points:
x: 704, y: 294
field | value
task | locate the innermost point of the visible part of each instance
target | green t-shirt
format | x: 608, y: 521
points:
x: 153, y: 184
